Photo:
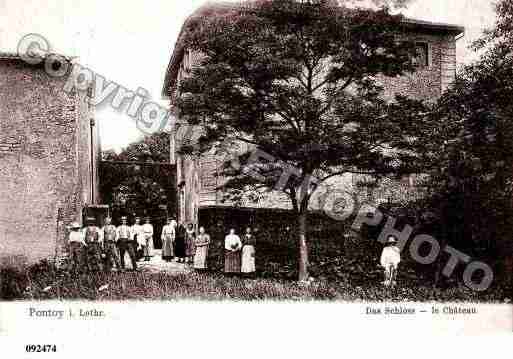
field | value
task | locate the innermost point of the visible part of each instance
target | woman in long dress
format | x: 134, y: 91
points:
x: 180, y: 243
x: 200, y: 257
x: 232, y: 246
x: 190, y: 238
x: 148, y: 239
x: 168, y: 239
x: 248, y: 253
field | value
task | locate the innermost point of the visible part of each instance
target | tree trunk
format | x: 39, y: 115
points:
x: 443, y: 239
x: 439, y: 266
x: 303, y: 248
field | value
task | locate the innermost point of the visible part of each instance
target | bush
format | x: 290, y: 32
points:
x: 13, y: 282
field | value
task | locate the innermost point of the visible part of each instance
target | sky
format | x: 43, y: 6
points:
x: 131, y: 42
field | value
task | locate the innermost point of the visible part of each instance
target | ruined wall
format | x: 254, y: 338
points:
x: 43, y: 142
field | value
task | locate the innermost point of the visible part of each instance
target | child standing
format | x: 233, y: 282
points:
x: 390, y: 259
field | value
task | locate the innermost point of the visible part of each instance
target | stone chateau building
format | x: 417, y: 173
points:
x: 198, y: 177
x: 49, y: 148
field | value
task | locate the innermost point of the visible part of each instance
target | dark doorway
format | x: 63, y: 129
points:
x: 139, y: 189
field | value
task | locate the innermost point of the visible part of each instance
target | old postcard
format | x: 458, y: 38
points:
x: 176, y: 175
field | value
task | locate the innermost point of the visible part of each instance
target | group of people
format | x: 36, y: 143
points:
x: 239, y: 254
x: 182, y: 243
x: 92, y: 248
x: 95, y: 248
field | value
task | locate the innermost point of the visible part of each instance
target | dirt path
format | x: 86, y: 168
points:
x: 158, y: 265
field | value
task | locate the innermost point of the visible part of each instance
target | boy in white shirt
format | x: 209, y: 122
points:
x: 390, y: 259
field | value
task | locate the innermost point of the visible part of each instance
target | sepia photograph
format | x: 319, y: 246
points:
x: 356, y: 153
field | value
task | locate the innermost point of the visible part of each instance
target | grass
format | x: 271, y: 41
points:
x: 151, y: 286
x: 343, y: 271
x: 214, y: 286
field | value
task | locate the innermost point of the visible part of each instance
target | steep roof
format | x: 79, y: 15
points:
x: 211, y: 9
x: 437, y: 27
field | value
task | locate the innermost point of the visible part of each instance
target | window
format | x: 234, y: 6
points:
x: 421, y: 58
x: 409, y: 181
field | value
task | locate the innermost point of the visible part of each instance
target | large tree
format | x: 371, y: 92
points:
x: 297, y: 80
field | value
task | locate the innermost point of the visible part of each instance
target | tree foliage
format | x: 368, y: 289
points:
x: 137, y: 180
x: 472, y: 184
x: 154, y: 148
x: 299, y: 80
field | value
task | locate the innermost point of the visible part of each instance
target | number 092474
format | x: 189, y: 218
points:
x: 36, y: 348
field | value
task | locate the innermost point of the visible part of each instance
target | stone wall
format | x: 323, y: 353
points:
x: 428, y: 82
x: 44, y: 148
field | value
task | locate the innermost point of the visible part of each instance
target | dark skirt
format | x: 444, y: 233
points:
x: 231, y: 262
x: 180, y: 247
x: 190, y: 248
x: 167, y: 248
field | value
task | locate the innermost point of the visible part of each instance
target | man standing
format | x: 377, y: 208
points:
x: 109, y: 243
x: 125, y: 243
x: 138, y: 238
x: 148, y: 239
x: 93, y: 240
x: 76, y: 247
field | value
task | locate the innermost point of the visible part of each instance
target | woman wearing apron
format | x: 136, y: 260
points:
x: 248, y: 253
x: 168, y: 240
x: 201, y: 255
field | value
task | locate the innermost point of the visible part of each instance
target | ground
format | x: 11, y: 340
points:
x: 157, y: 265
